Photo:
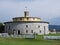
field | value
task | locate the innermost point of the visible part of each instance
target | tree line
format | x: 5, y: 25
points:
x: 1, y: 28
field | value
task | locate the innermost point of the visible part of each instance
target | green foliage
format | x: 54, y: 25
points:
x: 1, y: 24
x: 58, y: 34
x: 1, y: 27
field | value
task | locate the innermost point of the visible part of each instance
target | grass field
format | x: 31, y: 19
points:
x: 38, y: 41
x: 58, y: 34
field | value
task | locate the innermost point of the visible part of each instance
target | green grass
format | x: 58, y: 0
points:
x: 54, y: 34
x: 37, y: 41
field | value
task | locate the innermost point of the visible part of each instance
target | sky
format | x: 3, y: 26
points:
x: 47, y: 10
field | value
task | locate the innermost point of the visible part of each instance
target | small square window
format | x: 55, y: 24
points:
x: 40, y: 31
x: 31, y: 31
x: 26, y: 31
x: 27, y: 26
x: 27, y: 18
x: 38, y: 26
x: 20, y: 18
x: 33, y: 18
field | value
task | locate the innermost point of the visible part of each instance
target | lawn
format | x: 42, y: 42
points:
x: 37, y: 41
x: 58, y: 34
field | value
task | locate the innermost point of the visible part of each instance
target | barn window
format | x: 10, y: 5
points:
x: 40, y: 31
x: 27, y: 18
x: 38, y: 26
x: 27, y: 26
x: 20, y: 18
x: 33, y: 18
x: 31, y: 31
x: 26, y: 31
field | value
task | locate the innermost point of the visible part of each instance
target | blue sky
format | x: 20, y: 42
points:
x: 45, y: 9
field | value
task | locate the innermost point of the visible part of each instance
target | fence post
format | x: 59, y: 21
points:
x: 34, y: 35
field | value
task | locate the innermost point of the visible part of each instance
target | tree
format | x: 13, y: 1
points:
x: 1, y: 24
x: 1, y: 28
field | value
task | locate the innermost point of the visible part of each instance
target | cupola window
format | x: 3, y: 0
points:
x: 31, y: 31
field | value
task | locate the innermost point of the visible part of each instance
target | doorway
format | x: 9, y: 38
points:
x: 18, y: 32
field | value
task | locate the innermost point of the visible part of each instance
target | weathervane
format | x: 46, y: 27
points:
x: 26, y: 8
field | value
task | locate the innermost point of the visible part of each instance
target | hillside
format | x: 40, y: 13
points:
x: 57, y: 27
